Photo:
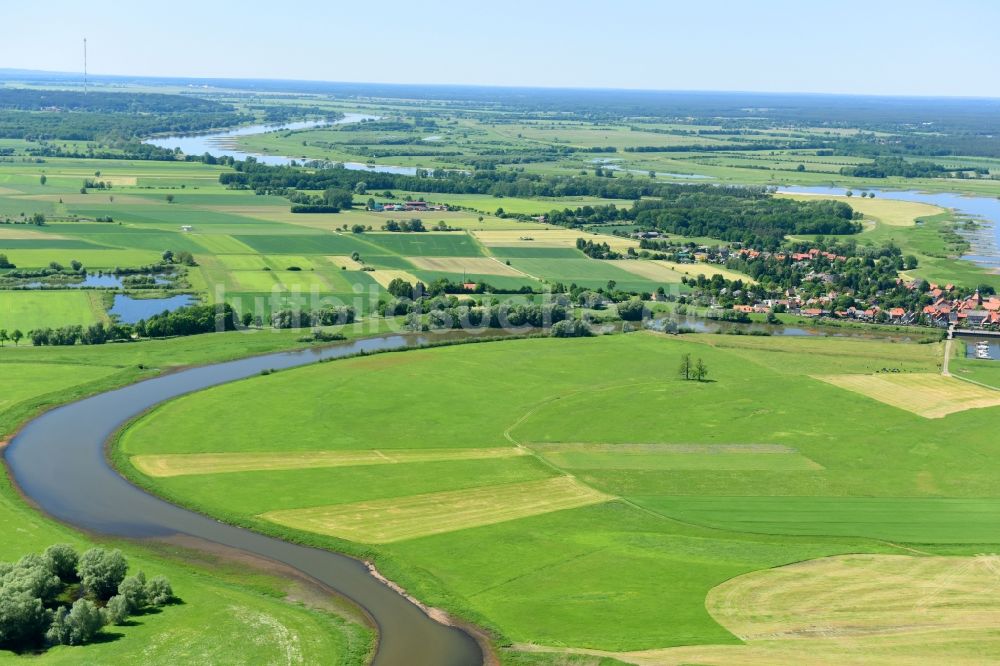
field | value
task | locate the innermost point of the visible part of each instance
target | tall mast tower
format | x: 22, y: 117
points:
x: 84, y: 65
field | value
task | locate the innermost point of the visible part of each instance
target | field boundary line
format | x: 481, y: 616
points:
x: 973, y: 381
x: 514, y: 268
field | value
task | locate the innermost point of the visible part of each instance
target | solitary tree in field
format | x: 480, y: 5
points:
x: 3, y: 336
x: 700, y: 370
x: 686, y: 366
x: 42, y: 179
x: 16, y: 336
x: 170, y: 198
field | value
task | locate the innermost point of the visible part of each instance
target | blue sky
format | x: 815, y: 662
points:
x: 897, y: 47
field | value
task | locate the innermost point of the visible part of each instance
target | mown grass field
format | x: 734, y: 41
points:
x: 694, y: 483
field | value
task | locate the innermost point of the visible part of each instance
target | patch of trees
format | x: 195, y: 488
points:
x: 35, y: 594
x: 169, y: 257
x: 500, y: 316
x: 128, y: 149
x: 571, y: 328
x: 325, y: 316
x: 189, y: 320
x: 633, y: 309
x: 412, y: 225
x: 333, y: 200
x: 16, y: 335
x: 884, y: 167
x: 596, y: 250
x: 693, y: 370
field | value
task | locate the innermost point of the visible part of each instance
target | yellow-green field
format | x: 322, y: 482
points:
x: 385, y: 521
x: 671, y: 271
x: 551, y: 237
x: 932, y: 396
x: 893, y: 212
x: 181, y: 464
x: 471, y: 265
x: 870, y: 610
x: 385, y: 276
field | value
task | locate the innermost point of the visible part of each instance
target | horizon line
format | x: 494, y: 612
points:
x: 493, y: 86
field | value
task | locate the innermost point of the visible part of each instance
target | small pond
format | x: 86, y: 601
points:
x: 130, y: 310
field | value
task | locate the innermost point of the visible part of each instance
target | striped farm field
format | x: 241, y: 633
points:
x: 676, y: 456
x: 708, y: 270
x: 20, y: 232
x: 242, y: 262
x: 385, y: 276
x: 472, y: 265
x: 396, y: 519
x: 91, y: 258
x: 552, y: 237
x: 929, y: 395
x: 651, y: 270
x: 426, y: 244
x: 670, y: 271
x: 344, y: 261
x: 182, y: 464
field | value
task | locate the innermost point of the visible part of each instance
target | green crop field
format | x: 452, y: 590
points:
x: 26, y: 310
x: 426, y: 244
x: 696, y: 482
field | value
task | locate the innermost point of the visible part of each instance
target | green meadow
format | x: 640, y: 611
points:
x: 690, y: 483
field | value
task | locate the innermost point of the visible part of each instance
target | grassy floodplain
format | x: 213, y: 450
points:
x: 274, y: 619
x: 690, y: 494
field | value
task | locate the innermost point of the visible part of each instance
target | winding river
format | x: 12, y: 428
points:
x: 222, y: 144
x: 985, y: 243
x: 58, y: 461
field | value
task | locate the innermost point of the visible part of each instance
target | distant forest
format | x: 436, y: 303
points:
x: 747, y: 215
x: 45, y: 115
